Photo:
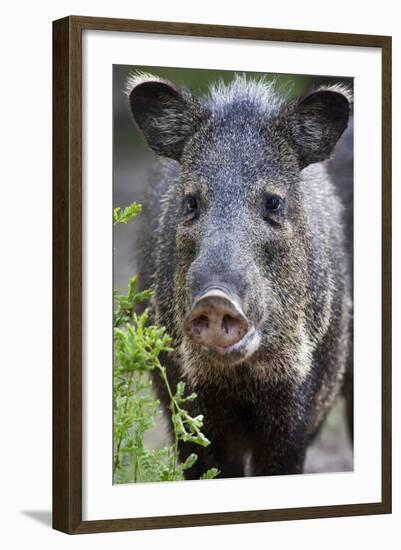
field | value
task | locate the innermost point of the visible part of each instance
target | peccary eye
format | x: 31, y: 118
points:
x: 272, y: 204
x: 190, y: 205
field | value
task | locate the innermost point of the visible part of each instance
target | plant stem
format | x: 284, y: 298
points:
x: 175, y: 408
x: 128, y: 387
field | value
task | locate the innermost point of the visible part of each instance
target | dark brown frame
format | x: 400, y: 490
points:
x: 67, y: 279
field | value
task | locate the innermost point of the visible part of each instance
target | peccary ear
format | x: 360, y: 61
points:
x: 166, y: 115
x: 316, y: 123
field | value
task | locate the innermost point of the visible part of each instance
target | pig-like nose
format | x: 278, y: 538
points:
x: 216, y: 321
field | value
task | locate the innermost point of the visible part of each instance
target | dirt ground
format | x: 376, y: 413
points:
x: 332, y: 450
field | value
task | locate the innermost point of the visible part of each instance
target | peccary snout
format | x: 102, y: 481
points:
x: 216, y: 321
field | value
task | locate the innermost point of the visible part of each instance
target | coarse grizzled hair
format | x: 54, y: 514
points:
x: 289, y: 271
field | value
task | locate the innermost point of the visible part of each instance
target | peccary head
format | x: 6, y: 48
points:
x: 243, y: 215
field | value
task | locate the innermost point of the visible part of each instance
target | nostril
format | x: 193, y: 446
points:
x: 228, y: 324
x: 200, y: 324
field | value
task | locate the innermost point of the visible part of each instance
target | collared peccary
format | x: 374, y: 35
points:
x: 243, y: 243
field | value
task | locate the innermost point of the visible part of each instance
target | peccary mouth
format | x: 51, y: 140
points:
x: 244, y: 348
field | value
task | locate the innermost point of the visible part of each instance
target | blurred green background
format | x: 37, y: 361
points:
x: 132, y: 159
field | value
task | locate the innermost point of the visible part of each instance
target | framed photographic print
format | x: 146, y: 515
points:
x: 222, y: 274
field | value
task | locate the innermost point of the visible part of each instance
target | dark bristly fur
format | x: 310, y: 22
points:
x: 289, y: 269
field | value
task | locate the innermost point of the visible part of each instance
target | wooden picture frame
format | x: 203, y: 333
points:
x: 67, y: 273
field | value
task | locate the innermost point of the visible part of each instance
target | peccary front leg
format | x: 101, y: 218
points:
x: 214, y: 456
x: 280, y: 438
x: 229, y: 443
x: 283, y: 455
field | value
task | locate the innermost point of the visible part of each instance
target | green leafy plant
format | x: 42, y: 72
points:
x: 126, y: 214
x: 137, y: 347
